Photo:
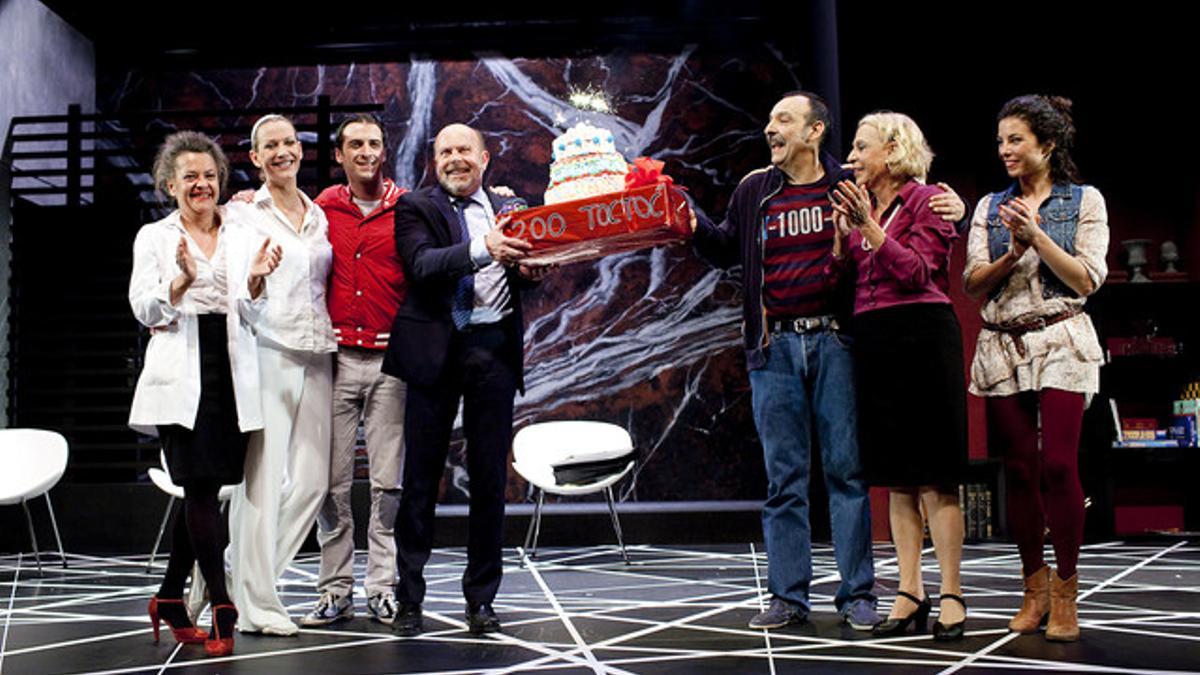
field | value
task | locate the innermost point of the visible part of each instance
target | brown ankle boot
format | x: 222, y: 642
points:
x: 1035, y: 607
x: 1064, y: 616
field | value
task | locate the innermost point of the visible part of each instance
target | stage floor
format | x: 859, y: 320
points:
x: 579, y: 610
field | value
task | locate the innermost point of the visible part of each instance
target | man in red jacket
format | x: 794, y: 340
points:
x: 366, y: 287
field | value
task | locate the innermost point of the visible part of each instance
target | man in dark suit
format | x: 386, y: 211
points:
x: 458, y: 335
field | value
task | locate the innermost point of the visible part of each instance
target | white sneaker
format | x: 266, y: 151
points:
x: 382, y: 607
x: 329, y: 608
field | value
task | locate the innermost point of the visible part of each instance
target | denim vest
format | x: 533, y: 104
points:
x: 1060, y: 217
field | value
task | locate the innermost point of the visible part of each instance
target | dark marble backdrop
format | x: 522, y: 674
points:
x: 648, y: 340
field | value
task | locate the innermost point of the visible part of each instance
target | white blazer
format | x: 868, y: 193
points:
x: 168, y: 390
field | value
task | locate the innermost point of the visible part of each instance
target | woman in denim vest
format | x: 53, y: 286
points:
x: 1034, y: 253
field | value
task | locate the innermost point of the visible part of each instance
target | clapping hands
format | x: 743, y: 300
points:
x: 853, y: 203
x: 1022, y: 222
x: 185, y: 261
x: 265, y: 262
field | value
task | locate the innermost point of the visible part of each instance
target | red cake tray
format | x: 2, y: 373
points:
x: 586, y: 229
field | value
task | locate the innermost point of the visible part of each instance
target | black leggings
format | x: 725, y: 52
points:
x: 197, y: 537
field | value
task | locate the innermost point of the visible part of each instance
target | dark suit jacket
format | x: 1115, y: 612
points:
x: 435, y: 257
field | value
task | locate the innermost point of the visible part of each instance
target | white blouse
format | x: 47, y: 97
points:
x: 1065, y: 355
x: 211, y: 286
x: 296, y: 317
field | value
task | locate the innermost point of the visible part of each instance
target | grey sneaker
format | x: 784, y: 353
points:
x: 860, y: 614
x: 329, y: 608
x: 382, y: 607
x: 779, y: 614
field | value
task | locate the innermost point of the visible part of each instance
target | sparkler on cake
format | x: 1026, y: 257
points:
x: 596, y: 203
x: 585, y: 161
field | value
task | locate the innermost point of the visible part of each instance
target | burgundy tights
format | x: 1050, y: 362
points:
x: 1043, y: 488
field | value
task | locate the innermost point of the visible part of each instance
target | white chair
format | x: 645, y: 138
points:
x: 161, y: 477
x: 31, y: 462
x: 572, y: 458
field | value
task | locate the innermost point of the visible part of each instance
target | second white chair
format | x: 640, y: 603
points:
x: 572, y: 458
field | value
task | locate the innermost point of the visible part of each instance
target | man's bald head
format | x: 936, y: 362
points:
x: 460, y: 158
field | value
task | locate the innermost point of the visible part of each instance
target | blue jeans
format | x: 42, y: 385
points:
x: 807, y: 384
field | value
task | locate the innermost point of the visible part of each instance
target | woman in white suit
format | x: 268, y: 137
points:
x: 287, y: 464
x: 197, y: 284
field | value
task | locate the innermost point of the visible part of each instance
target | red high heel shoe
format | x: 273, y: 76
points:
x: 221, y: 644
x: 188, y: 635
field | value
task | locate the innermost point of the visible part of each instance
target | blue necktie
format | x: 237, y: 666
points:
x: 464, y: 292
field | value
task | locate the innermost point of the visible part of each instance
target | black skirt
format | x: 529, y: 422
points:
x: 214, y: 449
x: 912, y: 410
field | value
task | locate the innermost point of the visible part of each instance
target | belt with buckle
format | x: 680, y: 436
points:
x: 1015, y: 329
x: 804, y: 324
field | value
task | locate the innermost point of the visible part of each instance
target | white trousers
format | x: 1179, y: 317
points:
x: 287, y: 476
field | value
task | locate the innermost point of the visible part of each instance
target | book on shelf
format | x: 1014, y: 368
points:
x: 1144, y: 432
x: 1112, y: 405
x: 1140, y: 429
x: 1138, y: 424
x: 976, y: 502
x: 987, y: 513
x: 1154, y: 443
x: 1142, y: 345
x: 972, y: 511
x: 1184, y: 429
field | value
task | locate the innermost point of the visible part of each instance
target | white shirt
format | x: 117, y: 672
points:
x: 168, y: 389
x: 211, y: 286
x: 491, y: 285
x: 295, y: 316
x: 366, y: 206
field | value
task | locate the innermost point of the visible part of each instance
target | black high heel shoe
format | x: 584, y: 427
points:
x: 919, y: 617
x: 955, y: 631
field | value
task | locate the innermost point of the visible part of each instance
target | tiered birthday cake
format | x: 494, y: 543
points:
x: 586, y: 163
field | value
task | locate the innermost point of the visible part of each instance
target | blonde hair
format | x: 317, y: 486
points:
x: 273, y: 117
x: 911, y: 157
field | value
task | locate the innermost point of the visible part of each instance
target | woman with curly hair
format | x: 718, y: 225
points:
x: 1035, y: 252
x: 197, y: 284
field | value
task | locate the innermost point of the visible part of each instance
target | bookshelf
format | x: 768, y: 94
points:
x: 981, y: 496
x: 1153, y: 347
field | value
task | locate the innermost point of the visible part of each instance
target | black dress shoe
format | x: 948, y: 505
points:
x: 899, y: 626
x: 408, y: 620
x: 954, y: 631
x: 482, y: 619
